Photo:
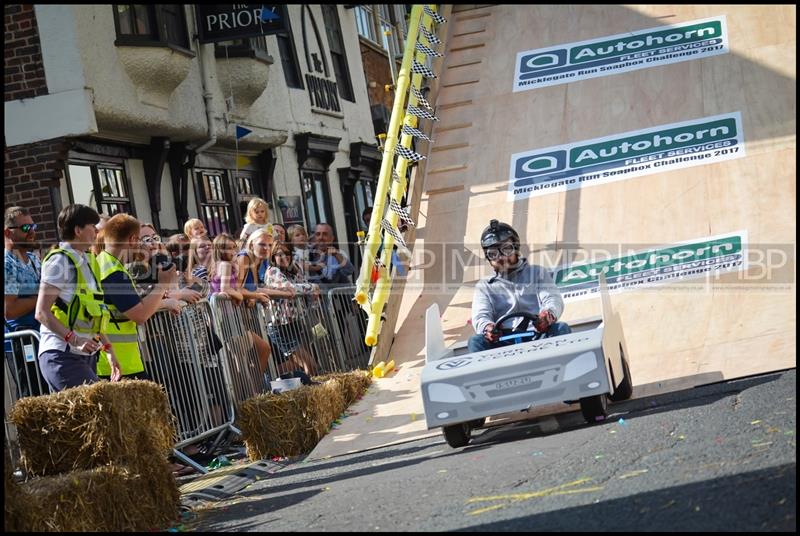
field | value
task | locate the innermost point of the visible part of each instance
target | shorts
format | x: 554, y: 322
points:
x: 62, y: 370
x: 285, y: 338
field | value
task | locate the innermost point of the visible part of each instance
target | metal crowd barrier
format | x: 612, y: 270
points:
x: 300, y: 335
x: 242, y: 333
x: 182, y: 353
x: 350, y: 325
x: 211, y: 356
x: 21, y: 377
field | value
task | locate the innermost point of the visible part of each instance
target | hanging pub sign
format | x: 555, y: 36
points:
x: 223, y: 22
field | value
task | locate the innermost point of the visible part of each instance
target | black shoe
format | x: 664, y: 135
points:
x: 305, y: 379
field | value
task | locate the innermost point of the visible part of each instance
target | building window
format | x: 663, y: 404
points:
x: 363, y: 195
x: 215, y: 202
x: 390, y: 22
x: 364, y: 22
x: 253, y: 47
x: 246, y: 189
x: 338, y: 56
x: 317, y: 198
x: 286, y: 48
x: 151, y: 24
x: 390, y: 17
x: 103, y: 187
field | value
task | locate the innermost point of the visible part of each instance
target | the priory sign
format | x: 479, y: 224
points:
x: 224, y: 22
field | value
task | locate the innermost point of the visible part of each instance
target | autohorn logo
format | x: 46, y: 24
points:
x: 620, y: 53
x: 627, y: 155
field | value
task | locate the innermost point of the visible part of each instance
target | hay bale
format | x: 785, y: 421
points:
x: 125, y: 423
x: 293, y: 422
x: 17, y: 503
x: 353, y: 383
x: 105, y: 499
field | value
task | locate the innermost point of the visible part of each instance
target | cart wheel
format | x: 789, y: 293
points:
x: 457, y: 435
x: 477, y: 423
x: 625, y: 389
x: 593, y: 407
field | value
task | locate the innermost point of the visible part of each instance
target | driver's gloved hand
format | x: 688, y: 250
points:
x: 491, y: 332
x: 545, y: 320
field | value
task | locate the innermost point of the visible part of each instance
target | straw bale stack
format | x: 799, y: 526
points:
x: 105, y: 499
x: 127, y: 422
x: 110, y: 442
x: 293, y: 422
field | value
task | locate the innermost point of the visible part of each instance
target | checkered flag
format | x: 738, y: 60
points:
x: 420, y: 99
x: 419, y: 112
x: 427, y: 50
x: 432, y: 38
x: 435, y: 16
x: 398, y: 238
x: 411, y: 131
x: 408, y: 154
x: 417, y: 67
x: 401, y: 212
x: 395, y: 176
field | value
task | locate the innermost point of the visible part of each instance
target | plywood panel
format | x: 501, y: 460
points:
x: 642, y: 212
x: 678, y: 335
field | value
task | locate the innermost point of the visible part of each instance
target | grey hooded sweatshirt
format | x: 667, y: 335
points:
x: 524, y: 289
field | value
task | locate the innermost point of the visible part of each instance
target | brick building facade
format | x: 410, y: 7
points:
x: 31, y: 171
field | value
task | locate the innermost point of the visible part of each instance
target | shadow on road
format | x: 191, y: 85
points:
x: 725, y: 504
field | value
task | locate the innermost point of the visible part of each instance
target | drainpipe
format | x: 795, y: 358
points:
x: 206, y: 56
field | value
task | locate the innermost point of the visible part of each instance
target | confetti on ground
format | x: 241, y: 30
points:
x: 538, y: 453
x: 633, y: 473
x: 622, y: 421
x: 612, y: 431
x: 598, y: 456
x: 766, y: 443
x: 681, y: 437
x: 413, y: 416
x: 517, y: 497
x: 442, y: 471
x: 755, y: 422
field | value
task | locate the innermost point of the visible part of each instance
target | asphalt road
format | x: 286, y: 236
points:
x: 720, y: 457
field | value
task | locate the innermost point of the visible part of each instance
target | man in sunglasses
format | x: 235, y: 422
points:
x: 515, y: 287
x: 22, y: 274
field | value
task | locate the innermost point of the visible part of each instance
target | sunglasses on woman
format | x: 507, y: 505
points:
x: 153, y: 239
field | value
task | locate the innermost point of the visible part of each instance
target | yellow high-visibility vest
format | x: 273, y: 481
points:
x: 121, y: 331
x: 86, y: 314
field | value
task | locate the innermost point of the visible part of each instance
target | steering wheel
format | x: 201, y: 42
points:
x: 516, y: 335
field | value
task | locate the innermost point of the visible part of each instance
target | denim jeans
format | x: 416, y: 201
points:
x: 478, y: 344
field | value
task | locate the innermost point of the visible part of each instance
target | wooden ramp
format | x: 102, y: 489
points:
x: 695, y: 330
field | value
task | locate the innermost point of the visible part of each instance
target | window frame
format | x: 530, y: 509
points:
x: 226, y: 202
x: 100, y: 199
x: 157, y: 36
x: 287, y: 38
x: 322, y: 175
x: 338, y: 58
x: 249, y: 47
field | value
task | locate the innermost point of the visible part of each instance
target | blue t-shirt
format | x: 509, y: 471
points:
x: 119, y: 291
x: 248, y: 283
x: 22, y: 280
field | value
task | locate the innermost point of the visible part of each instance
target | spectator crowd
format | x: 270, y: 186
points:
x: 88, y: 294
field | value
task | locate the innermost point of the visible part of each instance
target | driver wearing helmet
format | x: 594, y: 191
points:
x: 515, y: 287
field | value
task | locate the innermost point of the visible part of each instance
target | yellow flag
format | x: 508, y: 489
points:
x: 241, y: 161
